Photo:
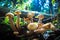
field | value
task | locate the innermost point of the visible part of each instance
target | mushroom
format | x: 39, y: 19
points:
x: 41, y: 30
x: 52, y: 26
x: 27, y: 20
x: 35, y: 39
x: 49, y: 26
x: 32, y: 26
x: 30, y: 16
x: 40, y: 17
x: 17, y: 13
x: 10, y: 15
x: 16, y: 33
x: 28, y: 32
x: 46, y: 26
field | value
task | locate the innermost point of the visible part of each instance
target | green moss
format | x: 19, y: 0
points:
x: 55, y: 21
x: 6, y: 20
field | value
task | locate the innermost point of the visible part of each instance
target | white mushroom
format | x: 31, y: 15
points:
x: 17, y: 13
x: 10, y: 15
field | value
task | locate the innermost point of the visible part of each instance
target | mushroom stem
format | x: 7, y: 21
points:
x: 12, y: 24
x: 17, y: 13
x: 40, y: 17
x: 10, y: 15
x: 17, y: 23
x: 39, y: 21
x: 32, y: 20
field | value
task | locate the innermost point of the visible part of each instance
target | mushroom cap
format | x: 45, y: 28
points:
x: 40, y: 25
x: 52, y: 26
x: 41, y: 30
x: 10, y: 14
x: 41, y: 16
x: 47, y: 26
x: 16, y: 33
x: 30, y: 15
x: 35, y: 39
x: 32, y: 26
x: 27, y: 20
x: 17, y: 12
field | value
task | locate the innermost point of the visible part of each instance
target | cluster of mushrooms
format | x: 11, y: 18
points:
x: 38, y: 27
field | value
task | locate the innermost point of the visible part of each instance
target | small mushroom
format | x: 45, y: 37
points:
x: 17, y: 13
x: 30, y: 16
x: 10, y: 15
x: 27, y: 20
x: 29, y: 32
x: 15, y: 33
x: 35, y: 39
x: 40, y: 17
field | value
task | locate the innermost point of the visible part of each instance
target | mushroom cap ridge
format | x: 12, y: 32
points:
x: 17, y: 12
x: 10, y: 14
